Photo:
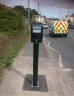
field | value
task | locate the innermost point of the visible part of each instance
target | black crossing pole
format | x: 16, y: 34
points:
x: 35, y: 63
x: 36, y: 38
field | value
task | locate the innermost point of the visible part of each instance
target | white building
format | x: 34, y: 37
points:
x: 67, y: 17
x: 47, y: 20
x: 39, y: 18
x: 70, y: 17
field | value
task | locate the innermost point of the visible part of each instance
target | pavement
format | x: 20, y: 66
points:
x: 53, y: 80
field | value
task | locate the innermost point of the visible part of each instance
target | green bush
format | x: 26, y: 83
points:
x: 10, y: 21
x: 69, y: 21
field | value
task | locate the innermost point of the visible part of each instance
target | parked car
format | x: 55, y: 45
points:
x: 45, y: 25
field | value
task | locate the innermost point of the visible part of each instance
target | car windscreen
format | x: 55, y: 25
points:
x: 45, y: 24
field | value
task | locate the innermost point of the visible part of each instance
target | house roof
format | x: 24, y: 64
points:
x: 37, y: 16
x: 67, y: 15
x: 72, y: 15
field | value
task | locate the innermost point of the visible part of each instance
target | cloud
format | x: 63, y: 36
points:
x: 15, y: 2
x: 43, y: 3
x: 55, y: 3
x: 50, y: 7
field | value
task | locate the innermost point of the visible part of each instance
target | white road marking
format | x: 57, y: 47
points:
x: 60, y: 61
x: 45, y: 39
x: 67, y: 70
x: 60, y: 58
x: 54, y: 49
x: 63, y: 86
x: 48, y: 43
x: 71, y: 36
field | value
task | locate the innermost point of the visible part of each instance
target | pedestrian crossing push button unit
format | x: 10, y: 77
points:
x: 36, y: 32
x: 36, y: 38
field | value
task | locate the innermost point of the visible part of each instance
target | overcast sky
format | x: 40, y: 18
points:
x: 49, y: 8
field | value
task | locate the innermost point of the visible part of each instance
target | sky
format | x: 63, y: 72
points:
x: 49, y: 8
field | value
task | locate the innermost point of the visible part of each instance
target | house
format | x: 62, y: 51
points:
x: 47, y: 20
x: 70, y: 17
x: 50, y: 21
x: 67, y: 18
x: 39, y: 18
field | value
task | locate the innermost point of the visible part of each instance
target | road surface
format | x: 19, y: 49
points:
x: 64, y: 47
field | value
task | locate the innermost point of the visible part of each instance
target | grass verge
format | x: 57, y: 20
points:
x: 10, y: 45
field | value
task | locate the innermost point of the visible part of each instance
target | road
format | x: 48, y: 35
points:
x: 62, y: 49
x: 62, y: 55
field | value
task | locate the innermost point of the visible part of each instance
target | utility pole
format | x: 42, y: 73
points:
x: 28, y: 15
x: 52, y: 18
x: 60, y: 14
x: 3, y: 2
x: 69, y: 7
x: 38, y: 7
x: 40, y: 16
x: 38, y: 11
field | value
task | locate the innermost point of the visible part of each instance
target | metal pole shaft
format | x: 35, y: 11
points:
x: 38, y: 8
x: 60, y: 14
x: 28, y: 15
x: 35, y: 63
x: 68, y: 9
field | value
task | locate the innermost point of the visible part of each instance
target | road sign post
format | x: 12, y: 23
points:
x: 36, y: 38
x: 35, y: 63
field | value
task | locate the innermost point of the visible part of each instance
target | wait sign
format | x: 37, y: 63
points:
x: 36, y: 29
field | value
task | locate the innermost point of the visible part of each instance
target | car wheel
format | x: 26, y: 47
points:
x: 52, y: 34
x: 49, y: 33
x: 65, y: 35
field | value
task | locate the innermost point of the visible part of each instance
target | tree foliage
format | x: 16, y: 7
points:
x: 53, y: 18
x: 24, y: 11
x: 10, y: 21
x: 69, y: 21
x: 21, y: 10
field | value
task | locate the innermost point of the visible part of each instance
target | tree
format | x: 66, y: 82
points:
x: 21, y: 9
x: 34, y: 12
x: 69, y: 21
x: 50, y: 18
x: 24, y: 11
x: 18, y: 8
